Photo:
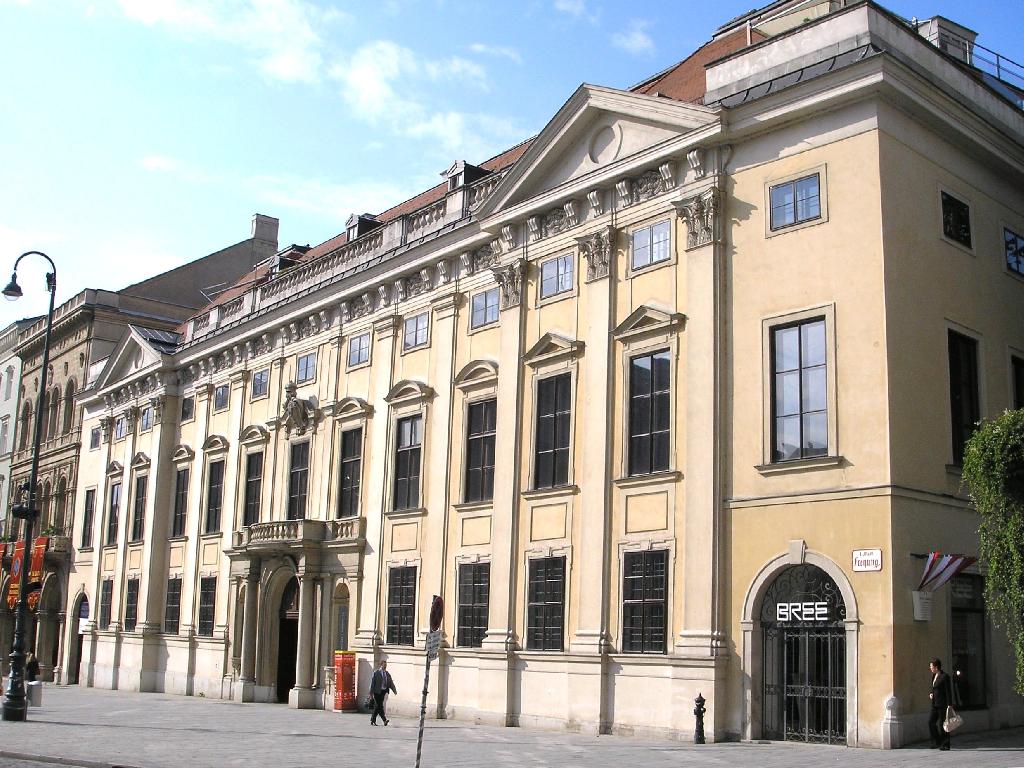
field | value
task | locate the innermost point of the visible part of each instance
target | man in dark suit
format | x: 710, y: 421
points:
x: 941, y: 697
x: 380, y: 684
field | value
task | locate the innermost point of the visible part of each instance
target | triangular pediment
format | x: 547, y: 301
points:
x: 646, y: 320
x: 552, y: 346
x: 131, y: 355
x: 596, y: 128
x: 114, y: 468
x: 140, y: 461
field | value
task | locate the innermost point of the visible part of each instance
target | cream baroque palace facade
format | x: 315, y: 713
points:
x: 627, y: 396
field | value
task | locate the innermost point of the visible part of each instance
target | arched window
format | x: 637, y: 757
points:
x: 69, y: 406
x: 60, y: 504
x: 8, y: 382
x: 54, y: 404
x: 26, y: 416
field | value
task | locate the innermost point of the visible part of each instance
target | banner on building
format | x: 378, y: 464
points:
x: 940, y: 568
x: 17, y: 563
x: 35, y: 571
x: 345, y: 681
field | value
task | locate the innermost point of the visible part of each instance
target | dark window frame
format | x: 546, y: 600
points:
x: 488, y: 312
x: 645, y: 601
x: 545, y: 604
x: 1017, y: 376
x: 305, y: 368
x: 113, y: 512
x: 146, y: 419
x: 106, y: 603
x: 1013, y: 248
x: 214, y: 495
x: 956, y: 220
x: 252, y: 503
x: 360, y: 351
x: 416, y: 331
x: 95, y: 436
x: 976, y: 614
x: 179, y: 517
x: 207, y: 606
x: 172, y: 606
x: 401, y: 611
x: 964, y: 390
x: 797, y: 218
x: 88, y: 518
x: 650, y: 438
x: 473, y: 604
x: 260, y: 384
x: 350, y: 472
x: 298, y: 480
x: 139, y: 507
x: 799, y: 325
x: 408, y: 463
x: 131, y: 605
x: 562, y: 278
x: 552, y: 450
x: 221, y: 397
x: 481, y: 431
x: 188, y: 408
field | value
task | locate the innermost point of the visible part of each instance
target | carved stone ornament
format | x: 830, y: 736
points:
x: 554, y: 223
x: 700, y: 214
x: 695, y: 157
x: 508, y: 236
x: 466, y: 262
x: 510, y: 281
x: 485, y: 256
x: 572, y: 213
x: 106, y: 424
x: 297, y: 413
x: 596, y: 249
x: 648, y: 185
x: 623, y: 190
x: 157, y: 404
x: 595, y: 198
x: 443, y: 272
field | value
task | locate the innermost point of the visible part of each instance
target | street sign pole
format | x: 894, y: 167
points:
x: 433, y: 643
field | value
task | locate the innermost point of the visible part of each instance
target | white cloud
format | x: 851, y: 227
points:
x: 174, y: 167
x: 325, y: 198
x: 578, y: 10
x: 503, y: 51
x: 282, y: 35
x: 635, y: 40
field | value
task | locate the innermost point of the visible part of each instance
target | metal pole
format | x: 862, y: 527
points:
x: 15, y: 707
x: 423, y: 710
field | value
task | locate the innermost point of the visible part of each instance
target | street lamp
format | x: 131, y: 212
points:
x: 14, y: 705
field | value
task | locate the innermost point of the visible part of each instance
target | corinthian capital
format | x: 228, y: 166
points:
x: 700, y: 213
x: 597, y: 250
x: 510, y: 281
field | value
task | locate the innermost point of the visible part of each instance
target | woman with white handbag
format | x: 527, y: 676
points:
x: 941, y: 720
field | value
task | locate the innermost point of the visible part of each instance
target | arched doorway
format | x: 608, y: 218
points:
x: 804, y: 657
x: 80, y: 616
x: 287, y: 640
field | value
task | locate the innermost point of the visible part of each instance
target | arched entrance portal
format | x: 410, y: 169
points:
x: 804, y: 695
x: 79, y: 617
x: 287, y: 640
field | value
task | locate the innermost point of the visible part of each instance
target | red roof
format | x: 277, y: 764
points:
x: 685, y: 81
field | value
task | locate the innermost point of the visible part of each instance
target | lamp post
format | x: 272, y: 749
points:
x: 15, y: 706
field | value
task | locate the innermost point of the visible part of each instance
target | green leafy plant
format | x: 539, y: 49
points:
x: 50, y: 530
x: 994, y: 473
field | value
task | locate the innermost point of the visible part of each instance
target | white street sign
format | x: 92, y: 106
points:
x: 867, y: 560
x: 433, y: 643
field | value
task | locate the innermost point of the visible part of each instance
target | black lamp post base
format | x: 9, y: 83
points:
x: 14, y: 713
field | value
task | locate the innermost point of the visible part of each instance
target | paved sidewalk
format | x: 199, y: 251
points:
x: 89, y: 727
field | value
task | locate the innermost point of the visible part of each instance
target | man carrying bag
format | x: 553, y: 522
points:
x: 943, y: 719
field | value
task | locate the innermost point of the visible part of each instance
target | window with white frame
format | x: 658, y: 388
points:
x: 359, y: 349
x: 796, y: 201
x: 799, y: 397
x: 305, y: 368
x: 221, y: 395
x: 4, y: 429
x: 146, y: 419
x: 556, y: 275
x: 651, y: 244
x: 120, y: 428
x: 94, y: 438
x: 260, y: 383
x: 485, y: 309
x: 415, y: 331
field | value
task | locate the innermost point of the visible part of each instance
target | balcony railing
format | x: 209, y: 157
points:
x: 50, y: 444
x: 295, y: 533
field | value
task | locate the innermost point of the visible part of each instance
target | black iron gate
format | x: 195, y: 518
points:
x: 804, y: 660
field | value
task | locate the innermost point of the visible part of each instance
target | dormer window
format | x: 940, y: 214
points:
x: 454, y: 182
x: 359, y: 224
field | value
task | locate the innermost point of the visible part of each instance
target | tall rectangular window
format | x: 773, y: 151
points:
x: 556, y: 275
x: 131, y: 605
x: 88, y: 514
x: 106, y: 598
x: 967, y: 628
x: 407, y: 462
x: 401, y: 605
x: 1018, y: 382
x: 415, y: 332
x: 298, y: 481
x: 351, y: 472
x: 554, y: 421
x: 1014, y: 245
x: 964, y: 392
x: 112, y: 513
x: 146, y: 419
x: 305, y: 368
x: 94, y: 438
x: 651, y: 245
x: 139, y: 507
x: 649, y: 413
x: 180, y: 502
x: 474, y: 591
x: 260, y: 383
x: 644, y: 618
x: 794, y: 202
x: 956, y: 220
x: 480, y: 433
x: 221, y: 396
x: 214, y: 496
x: 253, y: 487
x: 485, y: 309
x: 188, y: 408
x: 545, y: 604
x: 359, y: 349
x: 172, y: 606
x: 799, y: 390
x: 120, y: 428
x: 207, y: 604
x: 4, y: 433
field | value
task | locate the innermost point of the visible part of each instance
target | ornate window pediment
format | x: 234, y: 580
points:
x: 215, y: 443
x: 352, y: 408
x: 646, y: 320
x: 552, y: 346
x: 254, y: 434
x: 140, y: 461
x: 477, y: 373
x: 114, y: 468
x: 182, y: 453
x: 407, y: 391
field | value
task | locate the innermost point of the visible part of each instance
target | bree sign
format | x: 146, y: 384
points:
x: 801, y: 611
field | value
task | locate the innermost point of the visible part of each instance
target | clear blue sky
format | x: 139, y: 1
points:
x: 136, y: 135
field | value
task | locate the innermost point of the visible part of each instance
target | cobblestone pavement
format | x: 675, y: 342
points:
x: 91, y: 728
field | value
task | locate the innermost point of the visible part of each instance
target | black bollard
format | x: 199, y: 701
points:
x: 698, y: 733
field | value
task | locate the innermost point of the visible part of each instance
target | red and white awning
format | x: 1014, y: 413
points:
x: 941, y: 568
